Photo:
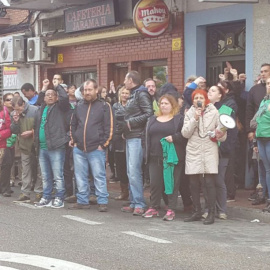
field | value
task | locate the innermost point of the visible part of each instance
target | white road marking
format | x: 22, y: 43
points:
x: 26, y: 205
x: 42, y: 262
x: 8, y: 268
x: 150, y: 238
x: 82, y: 220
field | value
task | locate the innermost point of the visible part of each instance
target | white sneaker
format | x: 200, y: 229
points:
x: 205, y: 215
x: 222, y: 216
x: 44, y: 203
x: 58, y: 203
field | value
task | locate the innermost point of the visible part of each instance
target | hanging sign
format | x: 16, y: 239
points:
x: 151, y: 17
x: 10, y: 76
x: 95, y: 15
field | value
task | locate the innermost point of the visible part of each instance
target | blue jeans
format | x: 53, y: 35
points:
x: 96, y: 161
x: 134, y: 155
x: 52, y: 170
x: 264, y: 152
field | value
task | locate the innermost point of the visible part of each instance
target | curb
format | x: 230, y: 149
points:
x: 248, y: 214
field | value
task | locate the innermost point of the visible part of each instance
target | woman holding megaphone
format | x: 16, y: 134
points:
x: 202, y: 152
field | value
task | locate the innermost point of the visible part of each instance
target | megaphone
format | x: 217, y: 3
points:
x: 225, y: 122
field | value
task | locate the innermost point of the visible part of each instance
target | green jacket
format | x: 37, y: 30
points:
x: 25, y: 123
x: 170, y: 159
x: 263, y: 120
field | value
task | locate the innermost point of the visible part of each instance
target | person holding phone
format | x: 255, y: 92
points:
x: 202, y: 152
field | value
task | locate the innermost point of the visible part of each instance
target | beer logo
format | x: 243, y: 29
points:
x: 151, y: 17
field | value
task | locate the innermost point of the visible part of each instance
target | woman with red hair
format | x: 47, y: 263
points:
x: 202, y: 152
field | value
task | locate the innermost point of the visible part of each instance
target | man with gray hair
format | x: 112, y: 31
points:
x: 23, y: 124
x: 91, y: 132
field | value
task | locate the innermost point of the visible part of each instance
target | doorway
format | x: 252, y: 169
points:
x: 225, y: 43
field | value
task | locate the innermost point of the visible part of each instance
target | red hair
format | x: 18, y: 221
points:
x: 203, y: 93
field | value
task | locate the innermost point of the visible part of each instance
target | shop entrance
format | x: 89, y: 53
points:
x: 117, y: 73
x: 225, y: 43
x: 156, y: 69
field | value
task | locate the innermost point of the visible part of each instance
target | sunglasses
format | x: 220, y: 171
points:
x: 8, y: 99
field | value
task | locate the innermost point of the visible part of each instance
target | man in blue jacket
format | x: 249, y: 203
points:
x: 91, y: 132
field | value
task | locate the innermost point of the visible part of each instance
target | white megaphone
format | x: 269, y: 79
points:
x: 225, y: 122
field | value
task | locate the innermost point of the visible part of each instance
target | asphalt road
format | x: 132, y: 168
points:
x: 47, y: 238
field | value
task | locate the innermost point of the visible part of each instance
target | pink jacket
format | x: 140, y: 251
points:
x: 4, y: 127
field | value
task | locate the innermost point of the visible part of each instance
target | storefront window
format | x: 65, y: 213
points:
x: 78, y: 77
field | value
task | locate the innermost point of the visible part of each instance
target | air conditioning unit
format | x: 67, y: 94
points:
x: 37, y: 50
x: 12, y: 49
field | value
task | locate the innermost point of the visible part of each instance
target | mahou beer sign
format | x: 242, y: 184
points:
x: 151, y: 17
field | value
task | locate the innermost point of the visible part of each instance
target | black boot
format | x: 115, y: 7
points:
x: 210, y: 219
x: 267, y: 208
x: 196, y: 216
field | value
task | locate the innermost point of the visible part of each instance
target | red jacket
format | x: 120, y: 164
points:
x: 4, y: 127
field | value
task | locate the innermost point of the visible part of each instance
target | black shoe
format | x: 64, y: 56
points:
x: 102, y: 208
x: 197, y: 216
x: 258, y: 201
x: 210, y: 219
x: 253, y: 196
x: 267, y: 208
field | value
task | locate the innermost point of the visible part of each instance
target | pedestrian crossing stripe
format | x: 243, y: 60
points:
x: 39, y: 261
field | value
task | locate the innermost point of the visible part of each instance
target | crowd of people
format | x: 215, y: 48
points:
x: 65, y: 135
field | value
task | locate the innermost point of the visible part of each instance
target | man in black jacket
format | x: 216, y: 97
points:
x: 91, y: 132
x: 138, y: 110
x: 255, y: 96
x: 51, y: 136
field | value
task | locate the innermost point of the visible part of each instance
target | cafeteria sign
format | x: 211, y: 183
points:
x: 95, y: 15
x: 151, y: 17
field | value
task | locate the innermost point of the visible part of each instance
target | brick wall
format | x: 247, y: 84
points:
x: 102, y: 53
x: 16, y: 16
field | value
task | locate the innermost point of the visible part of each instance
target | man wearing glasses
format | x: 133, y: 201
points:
x: 51, y: 136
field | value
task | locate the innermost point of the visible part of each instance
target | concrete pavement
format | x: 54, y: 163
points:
x: 63, y: 239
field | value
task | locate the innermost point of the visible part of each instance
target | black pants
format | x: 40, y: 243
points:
x: 229, y: 177
x: 6, y: 166
x: 157, y: 183
x: 121, y: 166
x: 111, y: 160
x: 208, y: 182
x: 68, y: 171
x: 184, y: 188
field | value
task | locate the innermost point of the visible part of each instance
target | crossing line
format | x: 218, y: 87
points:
x: 149, y: 238
x: 40, y: 261
x: 82, y: 220
x: 27, y: 205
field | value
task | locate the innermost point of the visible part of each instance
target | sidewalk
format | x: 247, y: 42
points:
x: 242, y: 208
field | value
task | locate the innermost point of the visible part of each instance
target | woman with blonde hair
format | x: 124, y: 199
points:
x: 163, y: 131
x: 118, y: 143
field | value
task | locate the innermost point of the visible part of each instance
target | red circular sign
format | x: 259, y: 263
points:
x: 151, y: 17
